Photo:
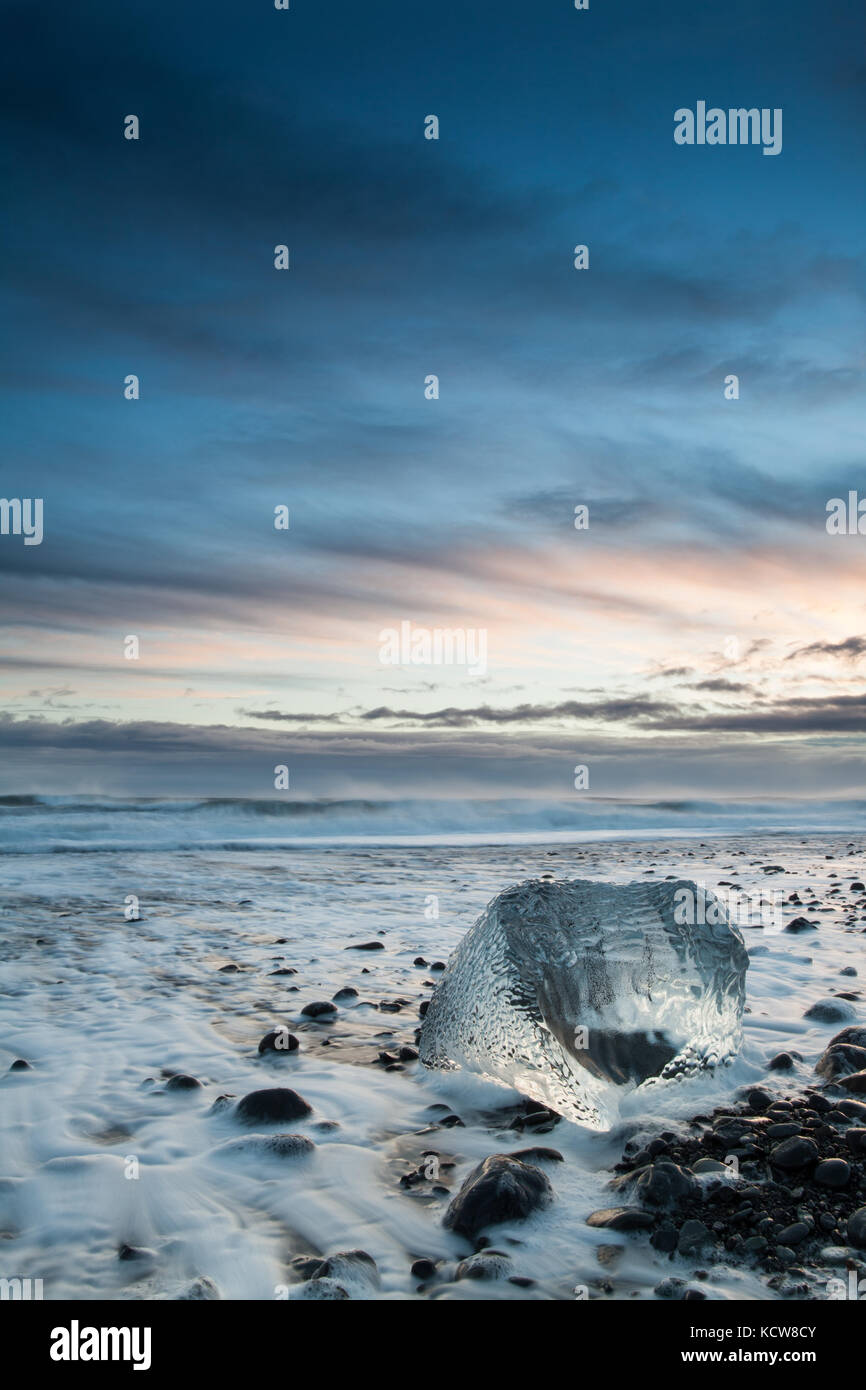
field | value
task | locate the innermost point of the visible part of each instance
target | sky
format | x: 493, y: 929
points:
x: 704, y: 635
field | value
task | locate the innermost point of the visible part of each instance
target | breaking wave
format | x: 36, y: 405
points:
x: 56, y: 824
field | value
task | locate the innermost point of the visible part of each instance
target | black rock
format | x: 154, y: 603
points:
x: 319, y: 1008
x: 754, y: 1245
x: 135, y: 1252
x: 367, y: 946
x: 347, y: 992
x: 181, y: 1082
x: 538, y: 1155
x: 794, y: 1153
x: 423, y: 1269
x: 782, y: 1130
x: 856, y: 1140
x: 664, y: 1238
x: 800, y: 924
x: 486, y: 1264
x: 829, y: 1011
x: 758, y: 1099
x: 857, y: 1228
x: 20, y: 1065
x: 620, y: 1219
x: 670, y: 1288
x: 856, y: 1083
x: 501, y: 1188
x: 833, y: 1172
x: 279, y: 1040
x: 794, y: 1234
x: 693, y: 1235
x: 346, y: 1265
x: 783, y: 1061
x: 276, y: 1103
x: 322, y: 1290
x: 660, y: 1184
x: 271, y: 1146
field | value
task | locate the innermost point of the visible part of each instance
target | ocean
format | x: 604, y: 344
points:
x: 144, y: 938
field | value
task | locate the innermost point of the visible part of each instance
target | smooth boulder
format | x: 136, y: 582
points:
x: 499, y: 1189
x: 275, y: 1104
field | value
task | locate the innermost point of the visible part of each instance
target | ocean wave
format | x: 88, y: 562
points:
x: 53, y: 824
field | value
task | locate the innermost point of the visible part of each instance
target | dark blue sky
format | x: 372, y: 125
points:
x: 706, y: 560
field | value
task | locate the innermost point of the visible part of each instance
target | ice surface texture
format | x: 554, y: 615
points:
x: 571, y: 992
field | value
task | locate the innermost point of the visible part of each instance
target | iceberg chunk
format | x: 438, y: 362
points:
x: 574, y: 992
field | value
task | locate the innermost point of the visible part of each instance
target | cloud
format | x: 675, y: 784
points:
x: 835, y: 713
x: 720, y: 685
x: 851, y: 649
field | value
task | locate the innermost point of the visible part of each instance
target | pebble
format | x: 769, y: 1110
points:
x: 322, y: 1290
x: 272, y: 1104
x: 272, y: 1145
x: 830, y: 1011
x: 794, y: 1234
x: 836, y: 1254
x: 319, y: 1008
x: 758, y: 1099
x: 348, y: 1267
x: 794, y: 1153
x: 487, y: 1264
x: 499, y: 1189
x: 833, y: 1172
x: 670, y: 1288
x: 708, y: 1165
x: 620, y: 1219
x: 181, y: 1082
x: 783, y: 1061
x: 857, y: 1228
x: 693, y: 1235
